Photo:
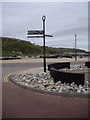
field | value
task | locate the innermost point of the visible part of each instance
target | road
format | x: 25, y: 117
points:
x: 20, y: 103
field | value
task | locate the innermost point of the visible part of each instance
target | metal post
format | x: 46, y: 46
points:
x: 40, y: 34
x: 43, y: 18
x: 75, y: 48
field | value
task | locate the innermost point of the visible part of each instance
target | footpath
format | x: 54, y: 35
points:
x: 23, y: 103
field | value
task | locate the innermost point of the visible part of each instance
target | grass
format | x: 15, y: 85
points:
x: 15, y: 47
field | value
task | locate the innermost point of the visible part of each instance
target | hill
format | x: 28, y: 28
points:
x: 15, y: 47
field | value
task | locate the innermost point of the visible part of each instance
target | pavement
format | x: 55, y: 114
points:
x: 21, y: 103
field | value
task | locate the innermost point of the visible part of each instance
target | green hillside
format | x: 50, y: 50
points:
x: 15, y: 47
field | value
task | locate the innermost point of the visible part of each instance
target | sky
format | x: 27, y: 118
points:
x: 63, y: 21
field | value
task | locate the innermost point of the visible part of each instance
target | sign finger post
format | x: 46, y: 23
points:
x: 40, y: 34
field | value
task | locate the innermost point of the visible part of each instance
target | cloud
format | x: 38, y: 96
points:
x: 72, y: 30
x: 63, y: 20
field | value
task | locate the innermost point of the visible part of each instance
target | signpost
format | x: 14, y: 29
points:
x: 40, y: 34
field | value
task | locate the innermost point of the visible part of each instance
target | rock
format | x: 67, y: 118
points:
x: 72, y: 84
x: 26, y: 84
x: 24, y: 78
x: 64, y: 84
x: 84, y: 91
x: 86, y: 82
x: 45, y: 82
x: 58, y: 83
x: 68, y: 87
x: 60, y: 90
x: 49, y: 89
x: 46, y: 85
x: 79, y: 91
x: 39, y: 81
x: 71, y: 88
x: 80, y: 87
x: 75, y: 88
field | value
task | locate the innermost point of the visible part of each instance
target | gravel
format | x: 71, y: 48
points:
x: 76, y: 67
x: 44, y: 81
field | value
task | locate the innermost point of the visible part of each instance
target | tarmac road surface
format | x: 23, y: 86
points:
x: 20, y: 103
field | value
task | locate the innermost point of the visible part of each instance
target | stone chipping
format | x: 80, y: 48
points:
x: 45, y: 82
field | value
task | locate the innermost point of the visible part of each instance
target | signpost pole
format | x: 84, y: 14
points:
x: 40, y: 34
x: 43, y: 18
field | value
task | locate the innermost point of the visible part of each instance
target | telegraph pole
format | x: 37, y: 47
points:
x: 43, y: 18
x: 75, y: 48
